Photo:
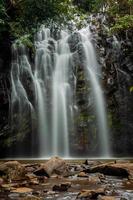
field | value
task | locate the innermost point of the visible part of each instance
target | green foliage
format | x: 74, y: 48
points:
x: 3, y: 17
x: 21, y: 17
x: 123, y: 23
x: 84, y: 5
x: 32, y: 13
x: 98, y: 4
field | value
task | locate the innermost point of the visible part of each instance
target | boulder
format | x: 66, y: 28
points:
x: 13, y: 170
x: 54, y: 165
x: 114, y: 169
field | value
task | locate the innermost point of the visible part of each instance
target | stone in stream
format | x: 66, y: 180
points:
x: 83, y: 175
x: 9, y: 186
x: 78, y: 168
x: 94, y: 180
x: 54, y: 165
x: 91, y: 194
x: 22, y: 190
x: 113, y: 169
x: 62, y: 187
x: 32, y: 179
x: 127, y: 196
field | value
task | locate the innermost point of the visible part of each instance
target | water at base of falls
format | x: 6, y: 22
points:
x: 48, y: 91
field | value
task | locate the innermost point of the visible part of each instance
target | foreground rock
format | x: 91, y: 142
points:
x: 91, y: 194
x: 13, y: 170
x: 54, y: 165
x: 113, y: 169
x: 48, y: 180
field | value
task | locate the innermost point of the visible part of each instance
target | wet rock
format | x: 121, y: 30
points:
x: 83, y: 175
x: 13, y: 195
x: 32, y: 179
x: 91, y: 162
x: 9, y: 187
x: 22, y: 190
x: 78, y: 168
x: 13, y: 170
x: 106, y: 198
x: 55, y: 164
x: 127, y: 196
x: 94, y: 180
x: 62, y: 188
x: 91, y: 194
x: 34, y: 182
x: 113, y: 169
x: 73, y: 40
x: 31, y: 168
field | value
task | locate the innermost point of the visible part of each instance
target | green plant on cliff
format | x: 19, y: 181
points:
x: 120, y: 11
x: 123, y: 23
x: 3, y: 17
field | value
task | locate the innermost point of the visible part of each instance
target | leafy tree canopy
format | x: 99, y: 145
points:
x: 22, y: 17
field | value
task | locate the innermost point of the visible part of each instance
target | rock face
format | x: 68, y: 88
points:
x: 5, y: 65
x: 115, y: 57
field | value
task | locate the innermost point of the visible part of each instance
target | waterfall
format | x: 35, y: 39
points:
x: 92, y: 71
x: 61, y: 91
x: 21, y: 106
x: 50, y: 94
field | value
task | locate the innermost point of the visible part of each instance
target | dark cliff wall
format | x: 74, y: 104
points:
x: 5, y: 64
x: 116, y: 59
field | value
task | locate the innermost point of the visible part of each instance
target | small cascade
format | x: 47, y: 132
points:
x: 52, y: 90
x: 21, y: 104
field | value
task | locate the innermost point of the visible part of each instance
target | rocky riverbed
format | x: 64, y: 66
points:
x: 57, y: 179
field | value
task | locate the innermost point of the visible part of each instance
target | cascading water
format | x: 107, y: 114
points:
x: 61, y: 92
x: 92, y: 71
x: 21, y: 106
x: 53, y: 91
x: 42, y: 66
